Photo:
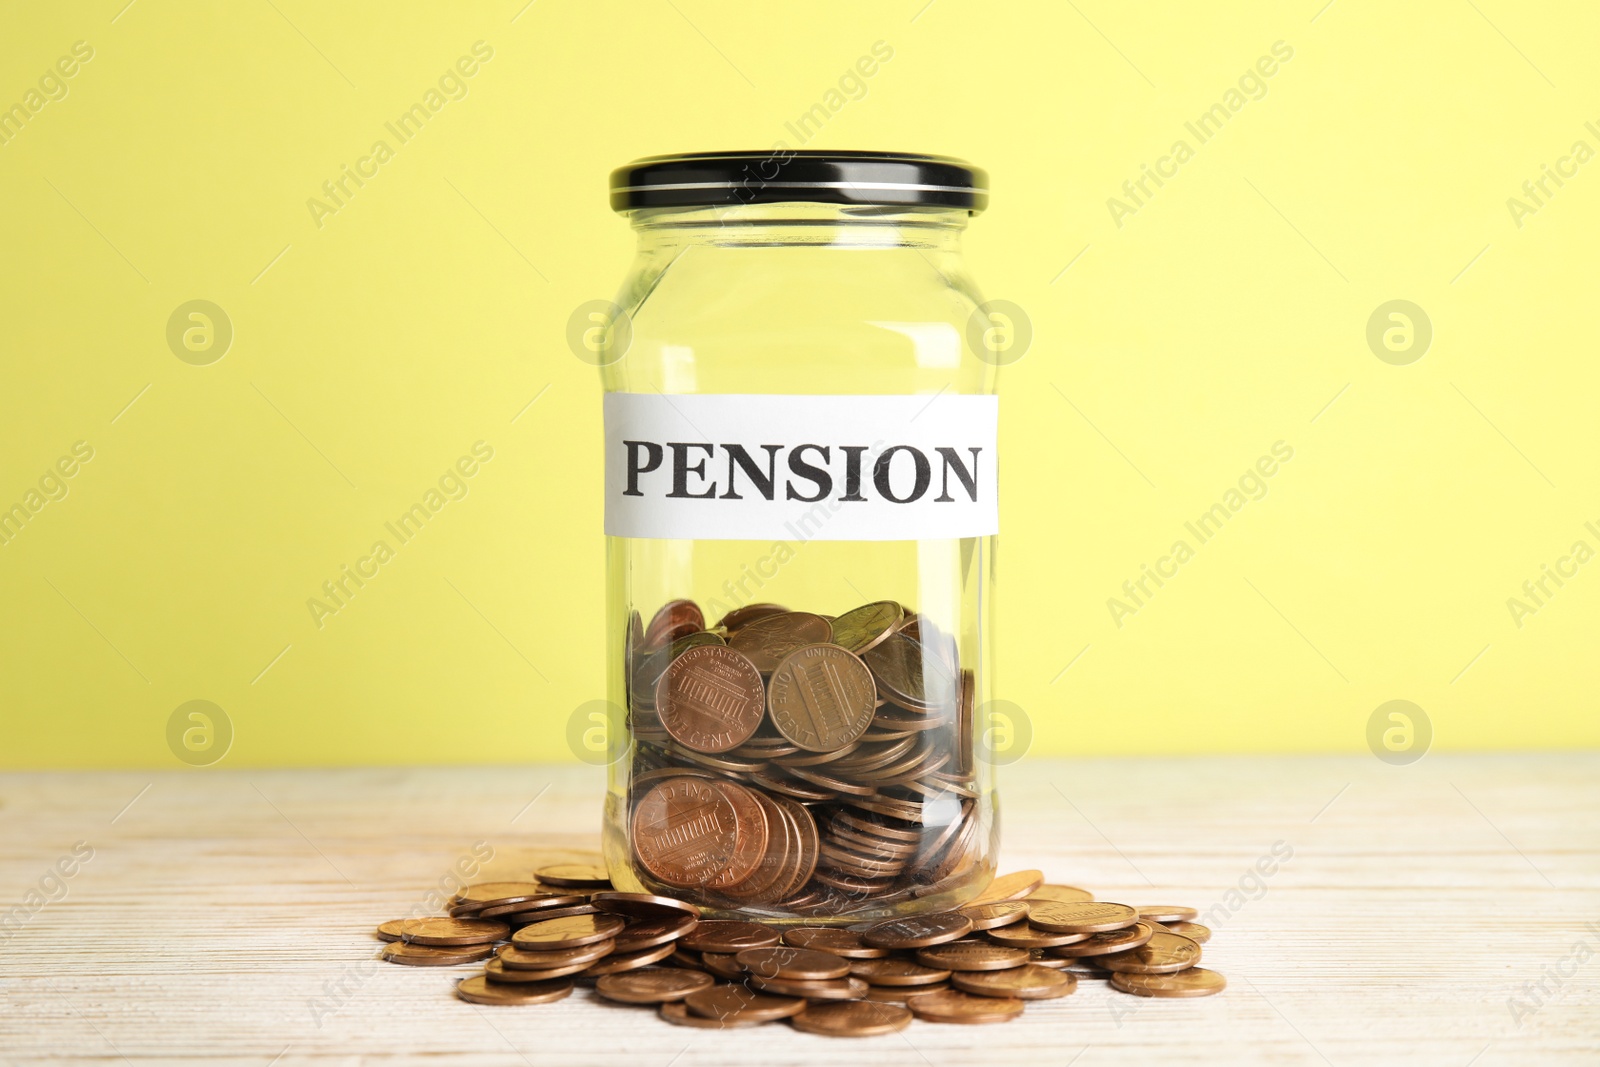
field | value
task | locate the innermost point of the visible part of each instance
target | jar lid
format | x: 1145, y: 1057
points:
x: 713, y: 179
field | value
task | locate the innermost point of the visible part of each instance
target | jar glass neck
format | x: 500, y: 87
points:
x: 801, y: 225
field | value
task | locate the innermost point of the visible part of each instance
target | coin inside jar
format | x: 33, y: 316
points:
x: 710, y: 698
x: 684, y: 831
x: 821, y: 697
x: 768, y: 639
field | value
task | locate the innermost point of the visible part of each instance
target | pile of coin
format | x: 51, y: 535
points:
x: 1019, y: 940
x: 788, y: 762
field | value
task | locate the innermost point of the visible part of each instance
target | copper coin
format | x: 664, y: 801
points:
x: 1168, y: 913
x: 846, y: 943
x: 523, y: 918
x: 486, y: 893
x: 648, y: 933
x: 673, y: 619
x: 1164, y: 953
x: 851, y: 1018
x: 1086, y: 917
x: 710, y: 699
x: 652, y: 985
x: 767, y: 640
x: 674, y: 1012
x: 918, y: 931
x: 390, y: 931
x: 749, y: 613
x: 728, y: 935
x: 1192, y: 982
x: 1026, y: 935
x: 1013, y: 886
x: 627, y: 961
x: 480, y: 990
x: 897, y: 972
x: 723, y: 965
x: 774, y: 873
x: 899, y: 994
x: 1040, y: 958
x: 569, y: 932
x: 954, y: 1006
x: 823, y: 989
x: 684, y: 832
x: 518, y: 907
x: 682, y: 957
x: 1067, y: 894
x: 521, y: 959
x: 1193, y: 931
x: 1032, y: 982
x: 910, y: 673
x: 783, y: 961
x: 751, y: 834
x: 739, y: 1003
x: 496, y: 971
x: 1110, y: 941
x: 821, y: 697
x: 431, y: 956
x: 1000, y: 913
x: 971, y: 956
x: 439, y: 931
x: 642, y: 905
x: 647, y: 670
x: 575, y: 875
x: 861, y: 628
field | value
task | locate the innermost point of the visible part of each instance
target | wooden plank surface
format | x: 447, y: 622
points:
x: 225, y: 917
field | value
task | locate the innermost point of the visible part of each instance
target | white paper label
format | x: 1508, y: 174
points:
x: 834, y: 468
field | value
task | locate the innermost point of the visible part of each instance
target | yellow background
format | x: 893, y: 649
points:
x: 424, y: 316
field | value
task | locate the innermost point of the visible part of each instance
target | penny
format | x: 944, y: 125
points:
x: 852, y: 1018
x: 673, y: 619
x: 1000, y: 913
x: 710, y: 698
x: 1012, y: 886
x: 728, y: 935
x: 918, y: 931
x: 480, y: 990
x: 627, y: 961
x: 1168, y: 913
x: 575, y: 875
x: 897, y: 972
x: 1026, y: 935
x: 723, y: 965
x: 518, y: 907
x: 1085, y: 917
x: 1032, y: 982
x: 432, y: 956
x: 497, y: 971
x: 523, y: 918
x: 954, y: 1006
x: 910, y: 674
x: 749, y: 613
x: 739, y: 1003
x: 674, y: 1012
x: 1164, y: 953
x: 648, y: 933
x: 390, y: 931
x: 647, y: 671
x: 652, y: 985
x: 846, y: 943
x: 861, y: 628
x: 767, y: 640
x: 486, y: 893
x: 1038, y: 957
x: 1192, y: 982
x: 783, y: 961
x: 1067, y: 894
x: 521, y: 959
x: 642, y: 905
x: 971, y: 956
x: 1193, y: 931
x: 440, y: 931
x: 899, y: 994
x: 821, y: 697
x: 1108, y: 942
x: 684, y: 831
x: 827, y: 989
x: 570, y: 932
x: 750, y: 835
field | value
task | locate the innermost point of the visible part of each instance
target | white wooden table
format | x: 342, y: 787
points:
x: 226, y: 917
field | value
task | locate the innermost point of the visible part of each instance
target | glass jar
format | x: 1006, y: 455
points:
x: 800, y: 520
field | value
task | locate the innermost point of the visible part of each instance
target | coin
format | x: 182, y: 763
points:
x: 723, y: 965
x: 648, y: 933
x: 999, y: 913
x: 861, y: 628
x: 1086, y: 917
x: 496, y: 971
x: 440, y: 931
x: 390, y: 931
x: 1164, y: 953
x: 1032, y: 982
x: 523, y: 918
x: 750, y: 832
x: 569, y: 932
x: 627, y: 961
x: 910, y: 674
x: 552, y: 901
x: 1193, y: 931
x: 767, y: 640
x: 899, y: 994
x: 851, y: 1018
x: 954, y: 1006
x: 1012, y: 886
x: 1038, y: 957
x: 1191, y: 982
x: 710, y: 698
x: 1168, y: 913
x: 728, y: 935
x: 486, y: 893
x: 684, y: 831
x: 821, y: 697
x: 652, y: 985
x: 642, y: 905
x: 674, y: 1012
x: 971, y: 955
x: 918, y: 931
x: 521, y: 959
x: 783, y: 961
x: 846, y: 943
x: 480, y: 990
x: 739, y: 1003
x: 432, y: 956
x: 674, y: 619
x: 897, y: 972
x: 1067, y: 894
x: 1110, y: 941
x: 819, y: 989
x: 575, y: 875
x: 749, y: 613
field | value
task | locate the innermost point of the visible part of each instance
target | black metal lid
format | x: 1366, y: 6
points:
x: 714, y: 179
